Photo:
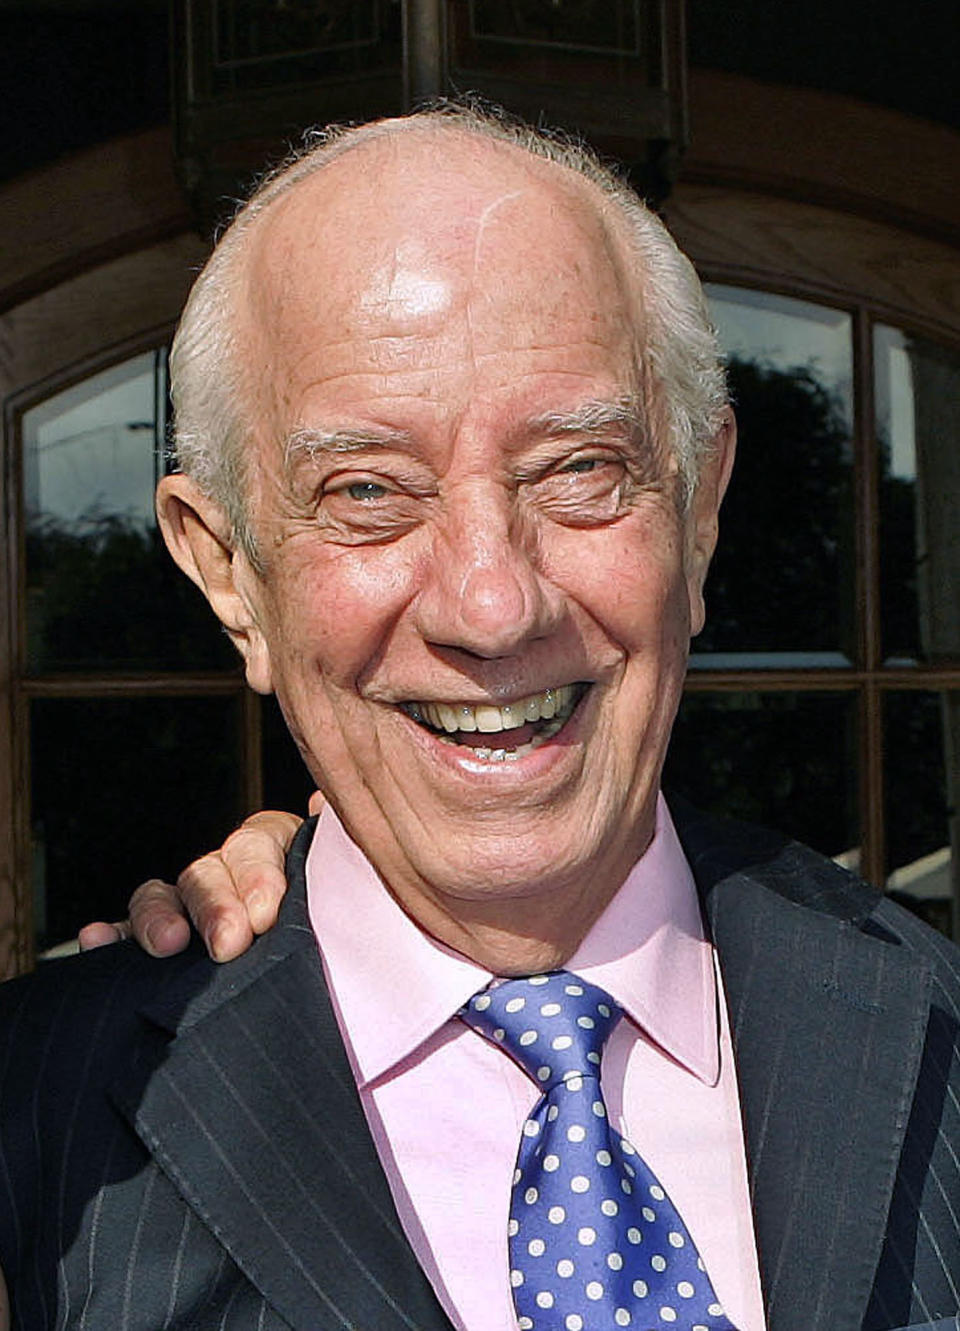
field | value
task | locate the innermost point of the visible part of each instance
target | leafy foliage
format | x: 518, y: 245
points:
x: 103, y: 591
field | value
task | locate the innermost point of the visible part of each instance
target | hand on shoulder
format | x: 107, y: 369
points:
x: 230, y: 895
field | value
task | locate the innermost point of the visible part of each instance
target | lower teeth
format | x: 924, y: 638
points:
x: 550, y: 729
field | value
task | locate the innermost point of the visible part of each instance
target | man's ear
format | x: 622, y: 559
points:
x: 702, y: 519
x: 198, y: 536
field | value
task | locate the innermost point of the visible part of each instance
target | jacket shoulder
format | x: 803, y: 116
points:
x: 69, y: 1014
x: 721, y: 851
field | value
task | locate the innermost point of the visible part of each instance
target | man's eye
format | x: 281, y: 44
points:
x: 581, y: 465
x: 366, y: 490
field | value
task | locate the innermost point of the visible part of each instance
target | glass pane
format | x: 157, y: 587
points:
x: 612, y: 45
x: 784, y: 760
x: 123, y: 790
x: 918, y: 437
x: 260, y: 44
x: 97, y: 447
x: 781, y: 588
x: 922, y: 789
x: 261, y: 29
x: 101, y: 589
x: 591, y: 25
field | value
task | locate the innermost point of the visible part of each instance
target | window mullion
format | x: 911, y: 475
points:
x: 869, y: 649
x: 866, y: 496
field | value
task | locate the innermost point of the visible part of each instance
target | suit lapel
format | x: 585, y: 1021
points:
x: 254, y: 1115
x: 828, y: 1024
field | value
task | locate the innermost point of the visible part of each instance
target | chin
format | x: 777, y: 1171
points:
x: 518, y: 865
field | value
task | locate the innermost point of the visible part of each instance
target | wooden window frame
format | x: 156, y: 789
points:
x: 869, y: 677
x: 28, y: 685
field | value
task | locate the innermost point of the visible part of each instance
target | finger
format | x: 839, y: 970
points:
x: 157, y: 920
x: 100, y: 934
x: 255, y: 855
x: 208, y: 893
x: 316, y: 802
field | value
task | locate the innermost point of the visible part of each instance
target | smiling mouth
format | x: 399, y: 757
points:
x: 500, y: 733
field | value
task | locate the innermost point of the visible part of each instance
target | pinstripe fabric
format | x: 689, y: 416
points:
x: 941, y: 1324
x: 844, y: 1019
x: 93, y: 1234
x: 181, y: 1145
x: 919, y: 1275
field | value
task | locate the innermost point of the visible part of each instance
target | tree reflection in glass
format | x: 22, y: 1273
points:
x: 101, y: 590
x: 781, y: 588
x: 918, y: 438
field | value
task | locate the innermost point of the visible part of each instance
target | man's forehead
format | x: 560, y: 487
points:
x: 410, y: 160
x: 403, y: 272
x: 392, y: 210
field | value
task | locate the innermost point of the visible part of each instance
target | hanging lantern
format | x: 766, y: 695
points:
x: 249, y: 75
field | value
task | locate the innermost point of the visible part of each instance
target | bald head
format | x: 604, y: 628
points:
x: 387, y: 261
x: 429, y: 220
x: 400, y: 211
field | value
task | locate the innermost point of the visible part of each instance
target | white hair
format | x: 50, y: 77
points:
x: 682, y: 369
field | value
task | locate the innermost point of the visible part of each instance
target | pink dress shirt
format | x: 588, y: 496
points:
x: 445, y: 1107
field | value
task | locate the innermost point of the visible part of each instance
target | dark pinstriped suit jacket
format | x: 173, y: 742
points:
x: 181, y: 1144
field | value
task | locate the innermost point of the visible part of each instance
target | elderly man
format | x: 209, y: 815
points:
x: 454, y: 438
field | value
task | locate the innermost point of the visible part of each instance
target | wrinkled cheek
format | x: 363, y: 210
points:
x: 349, y: 605
x: 332, y: 735
x: 655, y: 640
x: 323, y: 635
x: 648, y: 615
x: 676, y: 620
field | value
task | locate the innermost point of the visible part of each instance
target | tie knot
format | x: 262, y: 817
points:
x: 553, y: 1025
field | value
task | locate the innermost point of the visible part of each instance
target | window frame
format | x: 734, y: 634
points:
x: 26, y: 685
x: 869, y: 677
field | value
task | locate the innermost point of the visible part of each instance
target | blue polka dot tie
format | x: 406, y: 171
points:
x: 595, y: 1243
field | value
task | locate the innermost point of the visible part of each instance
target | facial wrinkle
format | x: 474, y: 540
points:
x: 483, y: 222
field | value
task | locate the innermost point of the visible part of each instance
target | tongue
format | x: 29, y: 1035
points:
x: 500, y: 739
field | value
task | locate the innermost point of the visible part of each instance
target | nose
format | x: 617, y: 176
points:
x: 484, y: 591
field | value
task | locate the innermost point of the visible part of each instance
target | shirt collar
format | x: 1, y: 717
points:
x: 650, y: 952
x: 395, y: 987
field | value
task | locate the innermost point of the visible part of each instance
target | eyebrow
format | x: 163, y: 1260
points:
x: 595, y: 417
x: 314, y: 442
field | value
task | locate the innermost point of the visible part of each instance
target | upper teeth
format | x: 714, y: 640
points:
x: 487, y: 718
